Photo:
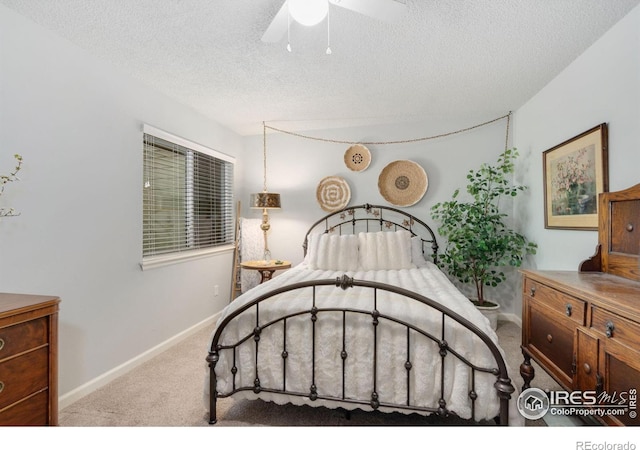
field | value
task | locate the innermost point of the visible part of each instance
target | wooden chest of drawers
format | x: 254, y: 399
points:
x: 28, y: 359
x: 583, y: 327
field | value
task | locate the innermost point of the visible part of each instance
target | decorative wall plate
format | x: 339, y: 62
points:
x: 357, y: 157
x: 333, y: 193
x: 403, y: 183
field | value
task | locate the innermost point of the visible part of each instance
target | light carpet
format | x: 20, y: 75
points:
x: 167, y: 391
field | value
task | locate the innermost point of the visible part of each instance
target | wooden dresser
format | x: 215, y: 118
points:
x: 28, y: 359
x: 583, y: 327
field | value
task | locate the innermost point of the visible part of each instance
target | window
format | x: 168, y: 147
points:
x: 187, y: 199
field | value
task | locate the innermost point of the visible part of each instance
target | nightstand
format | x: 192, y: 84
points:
x: 266, y: 268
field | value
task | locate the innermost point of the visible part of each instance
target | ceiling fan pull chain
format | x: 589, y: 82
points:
x: 328, y: 29
x: 288, y: 29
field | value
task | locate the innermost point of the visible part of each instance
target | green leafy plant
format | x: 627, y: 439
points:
x: 479, y: 240
x: 4, y: 179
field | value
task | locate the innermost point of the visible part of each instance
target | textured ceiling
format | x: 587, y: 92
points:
x: 474, y: 58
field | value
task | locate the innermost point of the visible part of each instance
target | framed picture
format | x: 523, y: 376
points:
x: 575, y: 173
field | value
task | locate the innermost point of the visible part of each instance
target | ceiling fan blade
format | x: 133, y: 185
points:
x: 385, y: 10
x: 278, y: 26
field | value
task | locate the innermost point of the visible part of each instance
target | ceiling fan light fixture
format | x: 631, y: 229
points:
x: 308, y: 12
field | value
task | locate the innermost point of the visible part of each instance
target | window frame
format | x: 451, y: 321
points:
x: 173, y: 257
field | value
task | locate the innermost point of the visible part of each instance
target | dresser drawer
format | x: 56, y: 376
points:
x: 551, y: 337
x: 559, y: 302
x: 23, y: 376
x: 22, y: 337
x: 30, y: 411
x: 621, y: 374
x: 28, y: 359
x: 615, y: 327
x: 624, y: 235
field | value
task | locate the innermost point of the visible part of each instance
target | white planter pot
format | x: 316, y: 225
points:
x: 491, y: 313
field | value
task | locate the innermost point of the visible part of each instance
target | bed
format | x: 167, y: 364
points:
x: 366, y: 321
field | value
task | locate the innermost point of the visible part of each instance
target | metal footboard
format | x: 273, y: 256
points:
x: 502, y: 385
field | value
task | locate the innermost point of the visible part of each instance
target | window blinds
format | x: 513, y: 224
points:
x: 187, y: 197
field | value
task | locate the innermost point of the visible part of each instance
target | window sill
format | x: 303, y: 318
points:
x: 154, y: 262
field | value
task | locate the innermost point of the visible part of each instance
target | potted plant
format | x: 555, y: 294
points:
x: 4, y: 179
x: 479, y: 239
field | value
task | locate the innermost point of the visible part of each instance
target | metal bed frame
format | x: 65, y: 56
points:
x: 368, y: 218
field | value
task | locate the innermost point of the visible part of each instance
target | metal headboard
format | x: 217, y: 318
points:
x: 370, y: 218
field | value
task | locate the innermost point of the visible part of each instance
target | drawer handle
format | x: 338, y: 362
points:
x: 532, y: 291
x: 609, y: 329
x: 1, y: 386
x: 1, y: 343
x: 630, y: 227
x: 549, y: 338
x: 587, y: 368
x: 568, y: 309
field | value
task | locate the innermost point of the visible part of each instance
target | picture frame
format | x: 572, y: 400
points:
x: 575, y: 174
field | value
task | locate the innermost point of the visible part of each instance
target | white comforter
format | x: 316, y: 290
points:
x: 427, y: 280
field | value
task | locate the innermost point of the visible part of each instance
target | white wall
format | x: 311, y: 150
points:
x: 602, y: 85
x: 77, y: 123
x: 296, y: 165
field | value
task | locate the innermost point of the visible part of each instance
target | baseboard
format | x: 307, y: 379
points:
x: 510, y: 318
x: 92, y: 385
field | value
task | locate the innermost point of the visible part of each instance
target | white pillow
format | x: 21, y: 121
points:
x: 312, y: 249
x: 385, y: 250
x: 417, y: 257
x: 332, y: 252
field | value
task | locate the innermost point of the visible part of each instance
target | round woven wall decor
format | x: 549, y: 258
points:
x: 333, y: 193
x: 357, y: 157
x: 403, y: 183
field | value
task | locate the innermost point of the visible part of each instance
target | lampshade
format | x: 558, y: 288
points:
x: 265, y: 200
x: 308, y: 12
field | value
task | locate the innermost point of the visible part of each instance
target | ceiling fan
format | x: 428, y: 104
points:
x: 385, y: 10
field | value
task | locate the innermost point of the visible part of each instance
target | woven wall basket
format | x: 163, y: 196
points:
x: 403, y: 183
x: 357, y: 158
x: 333, y: 193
